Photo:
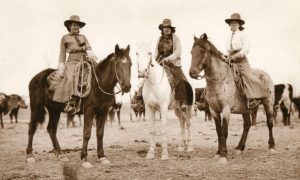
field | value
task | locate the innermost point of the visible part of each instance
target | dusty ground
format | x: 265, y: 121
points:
x: 127, y: 150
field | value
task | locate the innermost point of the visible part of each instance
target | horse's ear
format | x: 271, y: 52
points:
x: 204, y: 36
x: 195, y: 38
x: 117, y: 49
x: 128, y: 48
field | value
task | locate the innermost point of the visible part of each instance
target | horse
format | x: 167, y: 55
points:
x: 11, y: 104
x: 115, y: 68
x: 223, y: 96
x: 157, y: 97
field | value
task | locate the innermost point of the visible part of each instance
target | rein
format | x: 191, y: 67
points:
x: 116, y: 74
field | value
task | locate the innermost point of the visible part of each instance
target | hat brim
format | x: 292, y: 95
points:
x: 160, y: 27
x: 68, y: 22
x: 228, y: 21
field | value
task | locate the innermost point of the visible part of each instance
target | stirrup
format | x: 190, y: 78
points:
x: 254, y: 103
x: 70, y: 108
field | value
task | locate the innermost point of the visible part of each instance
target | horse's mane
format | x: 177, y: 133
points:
x: 103, y: 63
x: 201, y: 41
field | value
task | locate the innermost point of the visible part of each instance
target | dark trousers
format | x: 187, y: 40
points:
x: 178, y: 81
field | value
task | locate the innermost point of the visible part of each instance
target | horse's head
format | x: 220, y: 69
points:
x: 122, y: 63
x: 144, y: 59
x: 200, y: 55
x: 21, y: 103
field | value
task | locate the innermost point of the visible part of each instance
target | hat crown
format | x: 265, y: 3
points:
x: 235, y: 16
x: 167, y: 22
x: 74, y: 18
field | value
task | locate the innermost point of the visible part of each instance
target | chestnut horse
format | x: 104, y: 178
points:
x: 115, y: 68
x: 223, y: 97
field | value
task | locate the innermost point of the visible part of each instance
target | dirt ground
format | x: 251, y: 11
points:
x: 126, y: 149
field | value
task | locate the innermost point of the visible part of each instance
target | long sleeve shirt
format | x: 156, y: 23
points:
x: 238, y: 41
x: 69, y: 45
x: 175, y: 56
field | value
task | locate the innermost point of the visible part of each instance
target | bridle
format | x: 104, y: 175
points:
x: 116, y: 74
x: 200, y: 77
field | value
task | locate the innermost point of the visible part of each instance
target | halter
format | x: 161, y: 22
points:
x: 116, y: 74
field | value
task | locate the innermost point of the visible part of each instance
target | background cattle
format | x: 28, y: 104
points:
x: 115, y: 109
x: 10, y: 104
x: 283, y: 100
x: 137, y: 105
x: 201, y: 103
x: 297, y: 104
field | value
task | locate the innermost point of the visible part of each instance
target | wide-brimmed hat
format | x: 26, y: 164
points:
x: 76, y: 19
x: 235, y: 17
x: 166, y: 23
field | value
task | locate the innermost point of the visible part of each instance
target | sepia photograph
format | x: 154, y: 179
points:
x: 148, y: 90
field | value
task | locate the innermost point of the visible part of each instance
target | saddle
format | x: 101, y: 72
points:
x: 81, y: 81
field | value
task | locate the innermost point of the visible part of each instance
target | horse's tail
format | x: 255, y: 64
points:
x: 37, y: 95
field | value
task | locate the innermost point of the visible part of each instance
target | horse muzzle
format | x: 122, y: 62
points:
x: 142, y: 74
x: 194, y: 72
x: 125, y: 87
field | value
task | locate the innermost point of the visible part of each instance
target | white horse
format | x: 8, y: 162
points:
x: 157, y: 97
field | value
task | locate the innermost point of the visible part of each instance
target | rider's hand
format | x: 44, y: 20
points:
x: 91, y: 55
x: 61, y: 68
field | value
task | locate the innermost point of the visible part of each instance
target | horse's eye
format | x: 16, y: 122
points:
x: 149, y: 53
x: 137, y: 54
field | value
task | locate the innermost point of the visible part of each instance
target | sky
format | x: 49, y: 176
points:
x: 31, y: 33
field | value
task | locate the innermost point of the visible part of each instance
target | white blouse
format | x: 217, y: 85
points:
x: 239, y: 42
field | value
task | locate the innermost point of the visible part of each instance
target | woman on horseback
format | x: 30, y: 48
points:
x: 168, y: 52
x: 78, y: 49
x: 238, y: 47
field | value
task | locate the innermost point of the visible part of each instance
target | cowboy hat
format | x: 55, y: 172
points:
x: 236, y: 17
x: 166, y: 23
x: 74, y: 19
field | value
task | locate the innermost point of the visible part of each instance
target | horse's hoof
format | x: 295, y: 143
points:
x: 190, y: 149
x: 86, y: 165
x: 222, y: 160
x: 216, y: 156
x: 180, y: 148
x: 104, y: 161
x: 150, y: 155
x: 272, y: 151
x: 238, y: 152
x: 64, y: 159
x: 30, y: 160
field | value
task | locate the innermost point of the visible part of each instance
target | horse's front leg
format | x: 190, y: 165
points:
x: 87, y: 128
x: 217, y: 118
x: 164, y: 112
x: 151, y: 116
x: 247, y: 123
x: 100, y: 123
x: 224, y: 134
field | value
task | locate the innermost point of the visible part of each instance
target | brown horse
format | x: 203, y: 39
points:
x: 223, y: 97
x: 115, y: 68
